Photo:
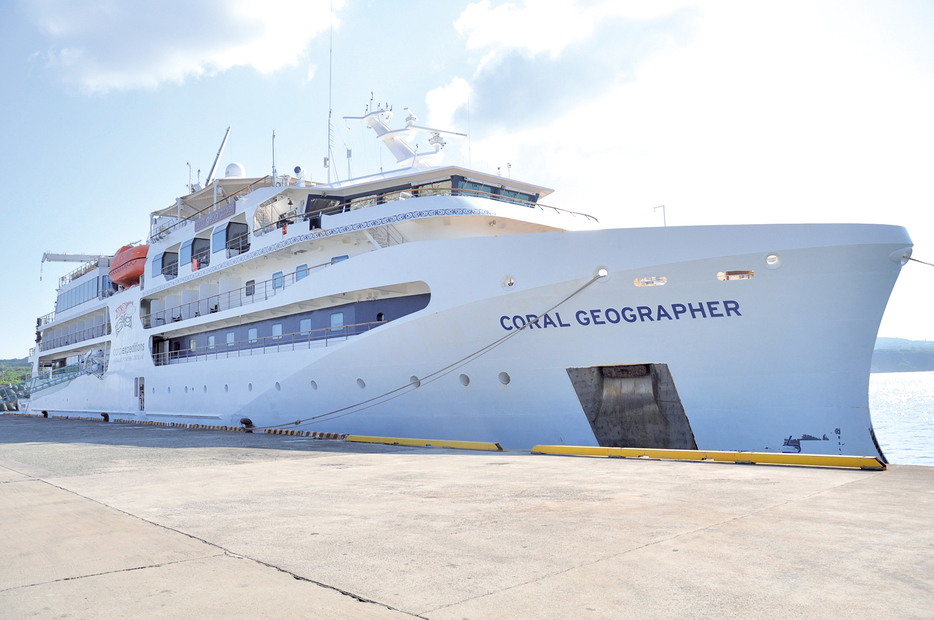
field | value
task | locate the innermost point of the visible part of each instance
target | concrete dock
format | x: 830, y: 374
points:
x: 105, y: 520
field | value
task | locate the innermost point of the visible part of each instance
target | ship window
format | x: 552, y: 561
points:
x: 238, y: 238
x: 230, y: 337
x: 252, y: 334
x: 651, y: 281
x: 338, y: 259
x: 169, y: 264
x: 200, y: 253
x: 211, y: 341
x: 301, y: 272
x: 304, y: 325
x: 219, y: 239
x: 735, y: 275
x: 277, y: 330
x: 277, y: 280
x: 474, y: 187
x: 337, y: 320
x: 507, y: 193
x: 250, y: 287
x: 441, y: 188
x: 361, y: 203
x: 184, y: 255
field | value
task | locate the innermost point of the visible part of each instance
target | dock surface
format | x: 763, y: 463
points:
x: 105, y: 520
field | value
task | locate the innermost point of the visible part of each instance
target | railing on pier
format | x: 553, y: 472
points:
x: 324, y: 336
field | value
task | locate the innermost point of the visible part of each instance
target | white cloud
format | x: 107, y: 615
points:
x: 110, y: 45
x: 444, y: 101
x: 545, y: 25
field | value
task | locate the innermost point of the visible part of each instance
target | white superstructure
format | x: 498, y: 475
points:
x: 441, y: 302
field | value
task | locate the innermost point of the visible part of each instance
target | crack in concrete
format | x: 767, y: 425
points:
x: 225, y: 551
x: 109, y: 572
x: 643, y: 546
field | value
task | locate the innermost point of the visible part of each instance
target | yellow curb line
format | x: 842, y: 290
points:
x: 813, y: 460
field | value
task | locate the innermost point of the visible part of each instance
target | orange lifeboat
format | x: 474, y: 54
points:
x: 128, y: 264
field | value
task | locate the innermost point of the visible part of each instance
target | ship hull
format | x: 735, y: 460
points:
x: 777, y: 361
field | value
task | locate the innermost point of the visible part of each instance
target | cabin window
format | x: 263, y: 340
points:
x: 474, y: 187
x: 441, y: 188
x: 338, y: 259
x: 301, y: 272
x: 277, y: 280
x: 507, y: 193
x: 238, y: 238
x: 337, y: 320
x: 304, y: 325
x: 277, y: 331
x: 211, y: 341
x: 200, y: 253
x: 78, y: 295
x: 362, y: 203
x: 252, y: 334
x: 184, y: 254
x: 250, y: 287
x: 192, y: 344
x: 219, y: 239
x: 167, y: 265
x: 230, y: 337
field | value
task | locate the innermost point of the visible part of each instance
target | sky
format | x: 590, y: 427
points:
x: 729, y: 112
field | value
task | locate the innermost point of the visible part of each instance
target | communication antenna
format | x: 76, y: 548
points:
x: 274, y: 157
x: 220, y: 151
x: 662, y: 207
x: 330, y: 157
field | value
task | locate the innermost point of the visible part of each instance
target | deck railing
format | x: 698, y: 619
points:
x: 85, y: 334
x: 324, y: 336
x: 243, y: 296
x: 292, y: 217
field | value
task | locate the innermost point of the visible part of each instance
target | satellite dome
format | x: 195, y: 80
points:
x: 235, y: 171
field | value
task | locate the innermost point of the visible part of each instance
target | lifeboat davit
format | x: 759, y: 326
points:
x: 128, y: 264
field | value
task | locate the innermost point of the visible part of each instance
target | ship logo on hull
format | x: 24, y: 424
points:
x: 123, y: 316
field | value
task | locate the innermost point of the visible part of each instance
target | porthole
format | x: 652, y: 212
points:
x: 651, y: 281
x: 601, y: 273
x: 504, y: 378
x: 249, y: 387
x: 726, y: 276
x: 413, y: 380
x: 361, y: 383
x: 278, y: 387
x: 773, y: 261
x: 226, y: 388
x: 508, y: 282
x: 465, y: 380
x: 314, y: 385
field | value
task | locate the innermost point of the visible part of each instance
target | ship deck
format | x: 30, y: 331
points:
x: 104, y: 520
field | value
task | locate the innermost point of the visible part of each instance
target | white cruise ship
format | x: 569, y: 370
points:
x: 445, y: 303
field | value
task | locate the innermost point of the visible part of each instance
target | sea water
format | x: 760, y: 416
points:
x: 902, y: 408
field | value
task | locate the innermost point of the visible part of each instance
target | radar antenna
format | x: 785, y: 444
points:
x: 397, y: 140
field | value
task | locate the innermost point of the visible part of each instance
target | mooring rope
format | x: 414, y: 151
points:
x: 921, y: 261
x: 385, y: 397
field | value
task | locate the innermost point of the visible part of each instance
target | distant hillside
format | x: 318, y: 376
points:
x: 12, y: 371
x: 900, y: 355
